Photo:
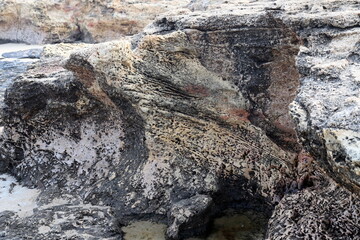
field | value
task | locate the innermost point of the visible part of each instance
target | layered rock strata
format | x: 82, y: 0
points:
x: 54, y: 21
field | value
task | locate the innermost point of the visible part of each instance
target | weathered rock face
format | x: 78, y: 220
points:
x: 258, y: 55
x: 326, y: 108
x: 151, y: 129
x: 255, y: 52
x: 69, y: 121
x: 190, y: 118
x: 10, y: 70
x: 61, y: 222
x: 328, y: 212
x: 54, y: 21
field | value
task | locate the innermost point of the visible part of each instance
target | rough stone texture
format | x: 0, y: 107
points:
x: 54, y: 21
x: 11, y: 65
x: 327, y: 107
x: 189, y: 215
x: 327, y: 103
x: 62, y: 50
x: 61, y: 222
x: 139, y: 134
x: 326, y: 212
x: 69, y: 147
x: 191, y: 117
x: 8, y: 71
x: 257, y: 53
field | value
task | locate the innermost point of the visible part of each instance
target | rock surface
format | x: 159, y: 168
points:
x: 54, y: 21
x: 14, y: 60
x: 191, y: 117
x: 327, y: 107
x: 140, y: 134
x: 31, y: 53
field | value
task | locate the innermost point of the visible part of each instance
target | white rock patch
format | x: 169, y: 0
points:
x: 14, y: 197
x: 347, y: 140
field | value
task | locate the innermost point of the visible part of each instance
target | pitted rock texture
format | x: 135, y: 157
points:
x: 9, y: 70
x: 13, y: 62
x: 326, y: 108
x: 188, y: 215
x: 139, y: 135
x: 182, y: 105
x: 255, y: 52
x: 191, y: 117
x: 327, y: 212
x: 61, y: 222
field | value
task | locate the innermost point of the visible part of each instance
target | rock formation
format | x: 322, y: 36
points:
x: 54, y: 21
x: 14, y: 63
x: 252, y: 107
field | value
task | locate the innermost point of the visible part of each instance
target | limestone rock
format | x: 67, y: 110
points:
x: 329, y: 213
x: 139, y: 135
x: 62, y: 50
x: 9, y: 70
x: 68, y: 21
x: 13, y: 62
x: 191, y: 213
x: 254, y: 51
x: 327, y: 106
x: 191, y: 117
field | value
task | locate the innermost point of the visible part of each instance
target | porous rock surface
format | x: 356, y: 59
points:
x: 191, y: 117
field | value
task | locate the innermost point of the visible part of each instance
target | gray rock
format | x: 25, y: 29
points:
x: 9, y: 70
x: 328, y: 212
x: 64, y: 222
x: 127, y: 135
x: 327, y: 107
x: 30, y: 53
x: 188, y: 215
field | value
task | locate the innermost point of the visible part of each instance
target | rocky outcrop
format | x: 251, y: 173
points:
x: 190, y: 118
x: 55, y: 21
x: 151, y: 129
x: 326, y: 108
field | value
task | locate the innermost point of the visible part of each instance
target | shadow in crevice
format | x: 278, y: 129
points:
x: 239, y: 225
x: 238, y: 212
x: 240, y: 193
